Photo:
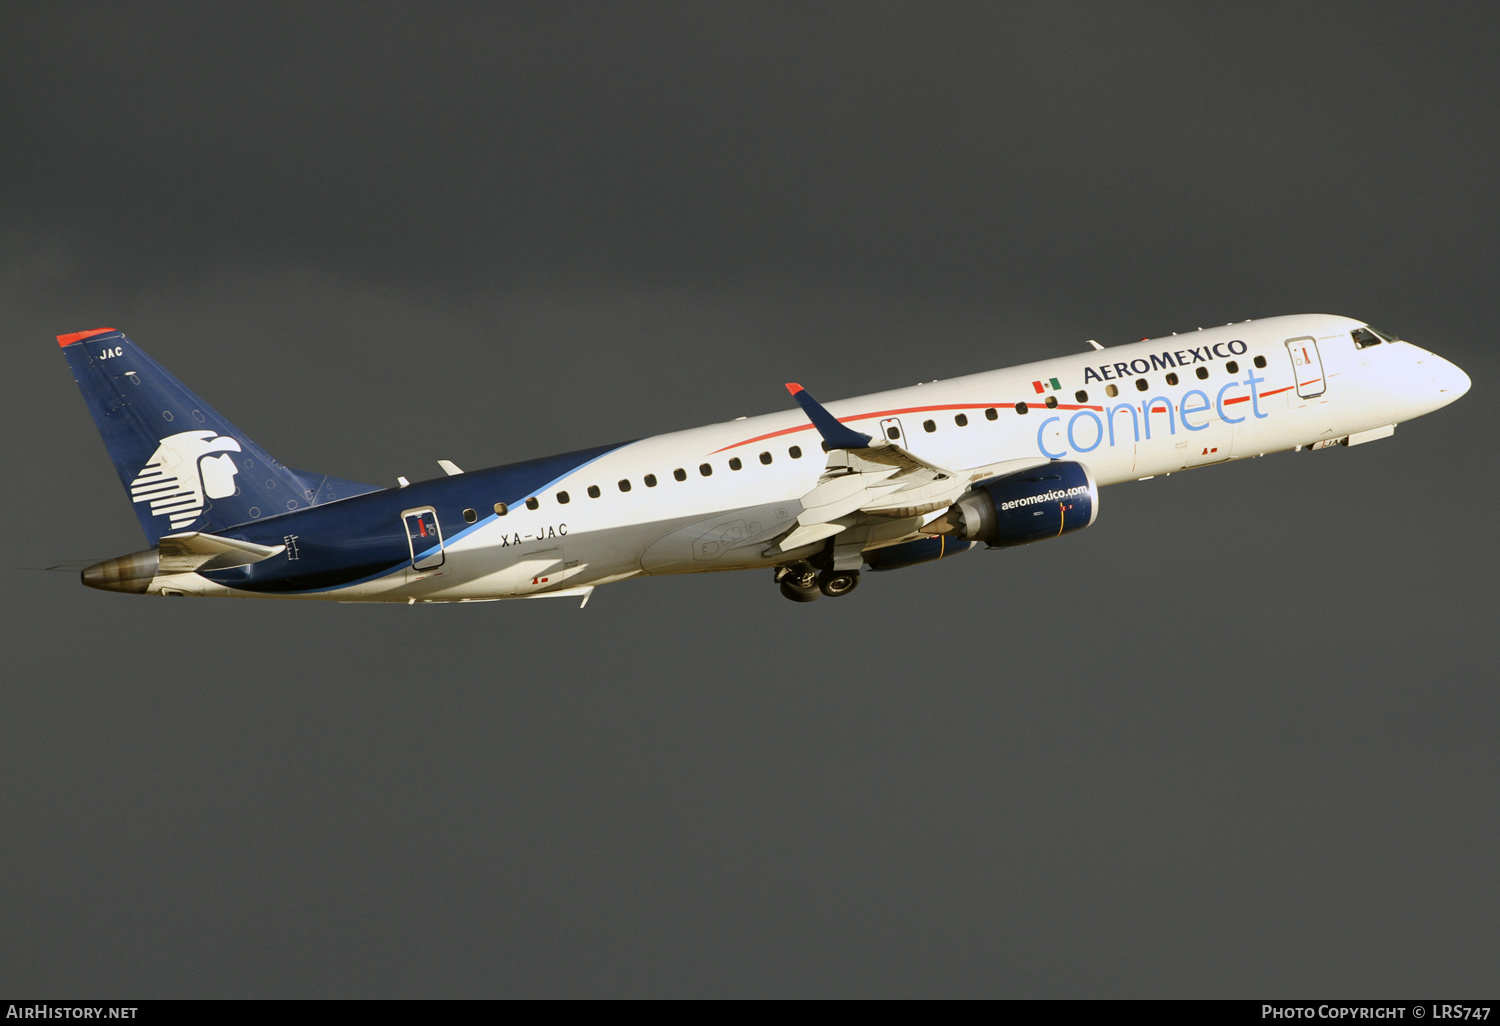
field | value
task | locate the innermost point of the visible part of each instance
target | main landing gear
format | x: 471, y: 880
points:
x: 837, y: 583
x: 801, y: 583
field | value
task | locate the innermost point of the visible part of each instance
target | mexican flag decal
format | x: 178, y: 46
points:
x: 1051, y: 384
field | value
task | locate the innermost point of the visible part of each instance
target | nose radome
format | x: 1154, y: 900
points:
x: 1449, y: 378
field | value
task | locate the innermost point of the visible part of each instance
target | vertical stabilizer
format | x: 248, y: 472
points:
x: 184, y: 466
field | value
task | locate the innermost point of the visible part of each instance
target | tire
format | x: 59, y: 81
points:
x: 790, y: 589
x: 837, y: 583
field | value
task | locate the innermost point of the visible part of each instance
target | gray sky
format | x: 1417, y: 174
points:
x: 1237, y: 739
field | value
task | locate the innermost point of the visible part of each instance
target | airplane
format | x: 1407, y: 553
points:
x: 817, y: 494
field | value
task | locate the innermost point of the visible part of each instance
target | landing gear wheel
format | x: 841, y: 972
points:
x: 835, y: 583
x: 797, y: 592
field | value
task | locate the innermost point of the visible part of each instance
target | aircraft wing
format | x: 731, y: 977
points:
x: 865, y: 475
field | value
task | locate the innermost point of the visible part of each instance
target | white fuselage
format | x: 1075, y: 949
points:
x: 1312, y: 385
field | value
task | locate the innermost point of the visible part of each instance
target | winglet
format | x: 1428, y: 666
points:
x: 79, y: 336
x: 835, y: 434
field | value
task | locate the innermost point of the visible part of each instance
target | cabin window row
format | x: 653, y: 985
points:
x: 930, y: 426
x: 961, y: 420
x: 1141, y: 384
x: 649, y: 480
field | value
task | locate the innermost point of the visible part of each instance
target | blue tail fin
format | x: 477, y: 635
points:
x: 185, y: 467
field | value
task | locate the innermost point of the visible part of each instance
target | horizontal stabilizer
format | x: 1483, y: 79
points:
x: 190, y: 553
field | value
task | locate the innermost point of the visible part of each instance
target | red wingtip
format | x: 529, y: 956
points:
x: 794, y: 388
x: 79, y: 336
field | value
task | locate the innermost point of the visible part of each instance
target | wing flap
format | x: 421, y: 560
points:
x: 876, y: 478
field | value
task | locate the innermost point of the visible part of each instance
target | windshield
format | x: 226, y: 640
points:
x: 1371, y: 336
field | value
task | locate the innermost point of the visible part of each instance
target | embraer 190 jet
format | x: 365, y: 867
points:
x: 883, y: 481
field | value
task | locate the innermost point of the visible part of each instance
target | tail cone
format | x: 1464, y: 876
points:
x: 132, y: 573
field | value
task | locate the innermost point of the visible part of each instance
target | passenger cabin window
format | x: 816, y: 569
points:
x: 1052, y: 402
x: 734, y: 463
x: 1140, y: 385
x: 1232, y: 366
x: 1260, y: 361
x: 705, y: 469
x: 625, y: 484
x: 1202, y: 373
x: 1021, y: 407
x: 962, y: 420
x: 501, y: 509
x: 765, y: 458
x: 991, y: 414
x: 531, y: 503
x: 562, y: 498
x: 470, y: 516
x: 650, y: 480
x: 1171, y: 379
x: 795, y: 452
x: 1081, y: 396
x: 928, y: 426
x: 1111, y: 391
x: 593, y: 491
x: 680, y: 474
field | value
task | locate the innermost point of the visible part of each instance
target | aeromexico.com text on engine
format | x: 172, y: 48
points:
x: 1051, y: 496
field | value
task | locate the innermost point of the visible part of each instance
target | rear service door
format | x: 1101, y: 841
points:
x: 1307, y: 365
x: 425, y: 538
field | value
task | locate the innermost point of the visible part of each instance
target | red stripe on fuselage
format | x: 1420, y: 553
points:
x: 907, y: 409
x: 960, y: 406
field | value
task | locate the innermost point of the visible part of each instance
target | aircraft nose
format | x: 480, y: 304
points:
x: 1448, y: 378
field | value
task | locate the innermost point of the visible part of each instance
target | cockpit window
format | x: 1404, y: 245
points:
x: 1386, y: 335
x: 1364, y: 338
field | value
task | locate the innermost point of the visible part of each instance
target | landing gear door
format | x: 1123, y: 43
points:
x: 424, y: 537
x: 890, y: 430
x: 1307, y: 365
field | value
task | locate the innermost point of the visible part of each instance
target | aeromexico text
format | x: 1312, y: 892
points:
x: 1176, y: 358
x: 1052, y: 496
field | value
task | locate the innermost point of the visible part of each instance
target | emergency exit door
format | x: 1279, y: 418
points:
x: 1307, y: 365
x: 890, y: 430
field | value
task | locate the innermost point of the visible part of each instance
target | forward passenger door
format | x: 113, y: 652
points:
x: 1307, y: 365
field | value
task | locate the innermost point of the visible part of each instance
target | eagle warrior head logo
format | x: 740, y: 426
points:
x: 181, y: 472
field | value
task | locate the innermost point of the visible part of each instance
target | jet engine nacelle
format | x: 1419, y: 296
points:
x: 1029, y: 505
x: 923, y: 550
